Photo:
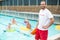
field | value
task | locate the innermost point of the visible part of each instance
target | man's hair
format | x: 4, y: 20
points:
x: 43, y: 1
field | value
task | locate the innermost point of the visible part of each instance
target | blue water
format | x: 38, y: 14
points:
x: 18, y: 34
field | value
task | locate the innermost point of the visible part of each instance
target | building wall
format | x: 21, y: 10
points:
x: 53, y: 9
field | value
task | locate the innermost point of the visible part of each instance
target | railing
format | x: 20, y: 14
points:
x: 28, y: 15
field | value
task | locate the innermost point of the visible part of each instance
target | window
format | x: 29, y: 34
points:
x: 15, y: 2
x: 7, y: 2
x: 26, y: 2
x: 52, y: 2
x: 19, y: 2
x: 0, y: 3
x: 11, y: 2
x: 3, y: 3
x: 39, y: 2
x: 59, y: 2
x: 32, y: 2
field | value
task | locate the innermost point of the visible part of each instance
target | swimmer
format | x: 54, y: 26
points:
x: 12, y: 25
x: 13, y: 21
x: 27, y: 24
x: 9, y: 26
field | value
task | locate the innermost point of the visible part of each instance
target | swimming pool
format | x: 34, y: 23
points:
x: 19, y: 34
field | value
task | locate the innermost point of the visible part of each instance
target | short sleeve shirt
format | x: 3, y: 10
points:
x: 44, y: 18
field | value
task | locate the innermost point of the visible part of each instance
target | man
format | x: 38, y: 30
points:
x: 45, y: 21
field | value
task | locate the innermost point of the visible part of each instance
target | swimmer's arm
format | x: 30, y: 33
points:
x: 29, y: 26
x: 51, y: 22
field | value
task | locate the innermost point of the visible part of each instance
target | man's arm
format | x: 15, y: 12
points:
x: 51, y: 22
x: 37, y: 24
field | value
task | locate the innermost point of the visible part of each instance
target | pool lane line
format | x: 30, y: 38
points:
x: 3, y: 24
x: 17, y: 22
x: 24, y: 34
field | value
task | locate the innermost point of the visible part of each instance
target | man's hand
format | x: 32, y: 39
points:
x: 51, y: 22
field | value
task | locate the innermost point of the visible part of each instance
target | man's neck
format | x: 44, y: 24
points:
x: 43, y: 8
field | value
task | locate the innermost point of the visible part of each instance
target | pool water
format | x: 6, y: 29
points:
x: 19, y: 34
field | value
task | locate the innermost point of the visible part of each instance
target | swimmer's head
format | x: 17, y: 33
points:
x: 26, y: 21
x: 9, y: 23
x: 13, y: 21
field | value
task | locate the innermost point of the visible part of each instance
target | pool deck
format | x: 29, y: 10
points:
x: 55, y: 37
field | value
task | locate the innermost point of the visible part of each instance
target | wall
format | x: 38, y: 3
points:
x: 53, y: 9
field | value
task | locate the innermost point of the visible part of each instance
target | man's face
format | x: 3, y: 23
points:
x: 43, y: 5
